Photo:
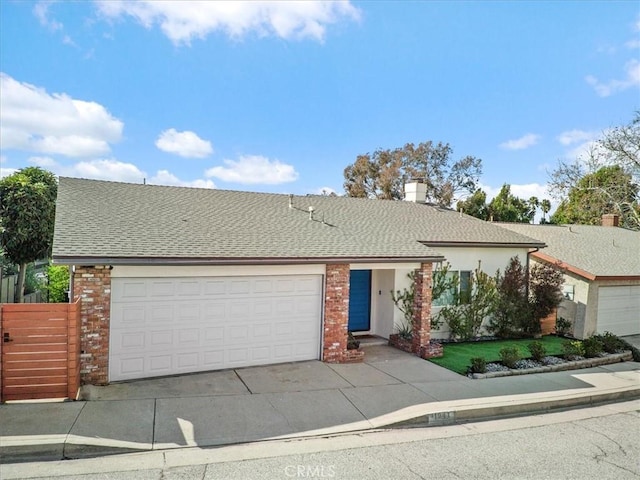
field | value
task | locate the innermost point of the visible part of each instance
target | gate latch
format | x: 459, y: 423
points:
x: 6, y: 338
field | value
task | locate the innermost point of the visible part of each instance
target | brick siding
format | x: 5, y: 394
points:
x: 336, y: 314
x: 422, y: 313
x: 92, y: 284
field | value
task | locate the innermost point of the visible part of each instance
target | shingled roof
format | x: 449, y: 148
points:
x: 590, y: 251
x: 120, y: 223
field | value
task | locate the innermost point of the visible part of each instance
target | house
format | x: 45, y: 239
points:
x: 601, y: 265
x: 176, y: 280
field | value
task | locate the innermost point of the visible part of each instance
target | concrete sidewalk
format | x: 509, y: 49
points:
x: 290, y: 400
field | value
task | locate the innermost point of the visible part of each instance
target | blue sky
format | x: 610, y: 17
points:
x: 281, y: 97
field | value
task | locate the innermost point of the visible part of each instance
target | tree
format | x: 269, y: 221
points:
x: 512, y: 305
x: 506, y: 207
x: 545, y: 293
x: 607, y: 190
x: 545, y: 206
x: 27, y: 215
x: 475, y: 205
x: 57, y: 283
x: 587, y: 191
x: 382, y: 174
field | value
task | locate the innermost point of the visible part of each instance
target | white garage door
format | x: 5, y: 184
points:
x: 619, y: 310
x: 165, y: 326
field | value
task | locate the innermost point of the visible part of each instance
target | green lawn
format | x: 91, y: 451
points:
x: 457, y: 356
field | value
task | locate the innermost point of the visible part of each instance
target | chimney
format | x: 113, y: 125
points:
x: 415, y: 191
x: 610, y: 220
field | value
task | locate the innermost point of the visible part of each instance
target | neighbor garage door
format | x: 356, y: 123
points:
x: 619, y: 310
x: 165, y: 326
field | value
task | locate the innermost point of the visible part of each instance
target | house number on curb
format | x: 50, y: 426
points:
x: 441, y: 418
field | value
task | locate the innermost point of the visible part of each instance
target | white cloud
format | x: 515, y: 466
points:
x: 574, y: 136
x: 164, y: 177
x: 115, y: 171
x: 5, y: 171
x: 41, y: 11
x: 186, y: 144
x: 521, y: 143
x: 524, y: 191
x: 181, y: 21
x: 33, y: 120
x: 254, y: 169
x: 632, y: 44
x: 44, y: 162
x: 631, y: 79
x: 325, y: 191
x: 104, y: 169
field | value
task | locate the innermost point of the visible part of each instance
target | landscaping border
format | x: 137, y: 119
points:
x: 625, y: 356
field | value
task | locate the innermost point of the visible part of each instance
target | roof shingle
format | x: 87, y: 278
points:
x: 109, y: 220
x: 600, y: 251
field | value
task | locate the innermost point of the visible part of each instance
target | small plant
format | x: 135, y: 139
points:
x: 610, y: 342
x: 509, y: 356
x: 405, y: 331
x: 592, y: 347
x: 352, y: 343
x: 537, y: 351
x: 478, y: 365
x: 572, y: 349
x: 563, y: 326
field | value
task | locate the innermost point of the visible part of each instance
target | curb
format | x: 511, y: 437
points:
x: 512, y: 409
x: 64, y: 447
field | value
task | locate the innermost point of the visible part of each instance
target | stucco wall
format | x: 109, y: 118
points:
x: 385, y: 277
x: 466, y: 258
x: 583, y: 310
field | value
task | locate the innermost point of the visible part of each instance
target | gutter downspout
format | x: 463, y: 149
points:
x: 537, y: 249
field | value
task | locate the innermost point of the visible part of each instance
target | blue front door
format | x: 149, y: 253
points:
x: 359, y: 300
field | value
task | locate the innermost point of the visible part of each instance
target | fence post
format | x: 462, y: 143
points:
x: 73, y: 353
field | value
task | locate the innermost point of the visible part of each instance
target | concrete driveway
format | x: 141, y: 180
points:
x: 383, y: 366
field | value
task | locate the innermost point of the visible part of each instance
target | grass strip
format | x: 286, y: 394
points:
x: 457, y: 356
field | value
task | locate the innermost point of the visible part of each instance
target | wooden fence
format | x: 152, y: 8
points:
x: 548, y: 323
x: 40, y: 350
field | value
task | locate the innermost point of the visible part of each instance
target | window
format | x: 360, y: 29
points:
x: 568, y: 291
x: 462, y: 287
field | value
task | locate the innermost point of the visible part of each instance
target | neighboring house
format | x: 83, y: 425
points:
x: 176, y: 280
x: 601, y: 266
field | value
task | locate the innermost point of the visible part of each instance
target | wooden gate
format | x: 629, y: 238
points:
x: 40, y: 350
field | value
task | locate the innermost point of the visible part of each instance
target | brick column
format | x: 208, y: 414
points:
x: 422, y: 312
x: 93, y: 285
x: 336, y: 313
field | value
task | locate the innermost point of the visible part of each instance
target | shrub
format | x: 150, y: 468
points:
x: 592, y: 347
x: 509, y: 356
x: 469, y: 309
x: 610, y: 342
x: 352, y: 343
x: 58, y: 283
x: 563, y: 326
x: 512, y: 305
x: 537, y: 351
x: 634, y: 351
x: 572, y: 349
x: 478, y: 365
x: 545, y: 294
